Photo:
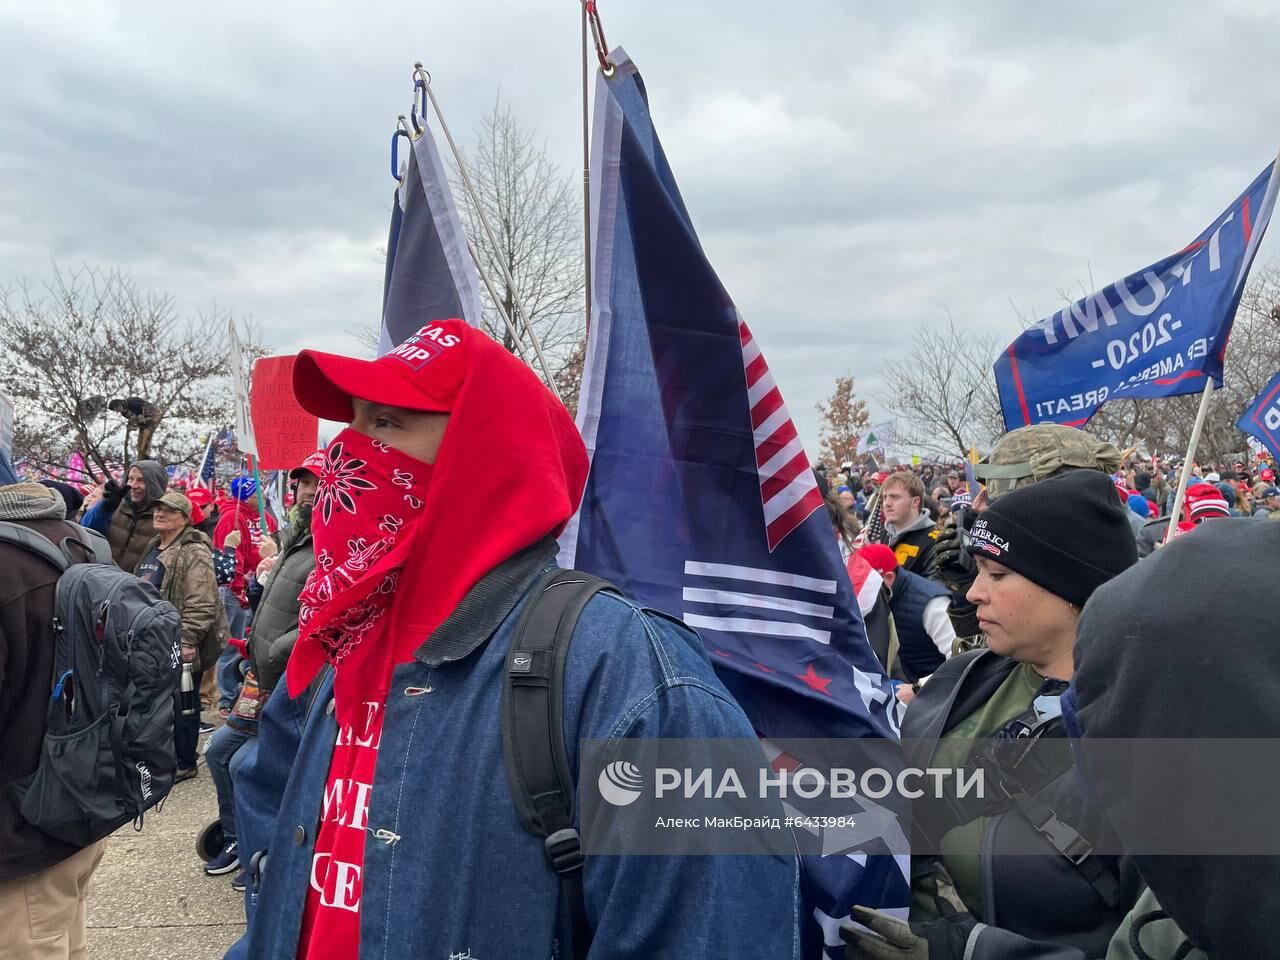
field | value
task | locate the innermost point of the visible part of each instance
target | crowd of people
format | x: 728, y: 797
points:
x: 350, y: 666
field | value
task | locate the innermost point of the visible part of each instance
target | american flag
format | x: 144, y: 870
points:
x: 701, y: 501
x: 209, y: 464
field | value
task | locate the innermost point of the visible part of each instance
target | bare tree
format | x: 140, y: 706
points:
x: 569, y: 376
x: 944, y: 393
x: 843, y: 418
x: 92, y: 359
x: 534, y: 210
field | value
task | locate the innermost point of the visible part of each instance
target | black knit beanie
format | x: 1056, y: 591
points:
x: 1068, y: 534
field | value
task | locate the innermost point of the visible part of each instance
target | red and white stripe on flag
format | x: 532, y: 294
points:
x: 788, y: 490
x: 866, y: 582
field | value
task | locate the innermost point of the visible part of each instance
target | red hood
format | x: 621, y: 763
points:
x: 510, y: 470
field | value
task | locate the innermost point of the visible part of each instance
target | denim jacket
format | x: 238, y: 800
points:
x: 448, y: 870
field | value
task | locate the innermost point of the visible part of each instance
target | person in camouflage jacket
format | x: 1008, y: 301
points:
x: 1020, y: 458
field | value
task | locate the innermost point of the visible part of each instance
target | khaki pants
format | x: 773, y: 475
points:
x: 42, y: 914
x: 208, y: 689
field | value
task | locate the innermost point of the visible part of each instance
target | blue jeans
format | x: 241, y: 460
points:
x: 223, y: 756
x: 228, y: 669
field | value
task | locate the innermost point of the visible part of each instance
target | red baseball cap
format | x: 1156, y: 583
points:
x: 1205, y: 501
x: 1268, y: 475
x: 200, y: 497
x: 312, y: 464
x: 423, y: 373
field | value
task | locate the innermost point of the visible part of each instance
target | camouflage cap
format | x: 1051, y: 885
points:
x: 1030, y: 454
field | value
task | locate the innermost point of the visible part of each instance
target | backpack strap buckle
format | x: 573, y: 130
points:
x: 1066, y: 840
x: 564, y: 850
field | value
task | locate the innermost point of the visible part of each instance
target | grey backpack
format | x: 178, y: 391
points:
x: 108, y: 753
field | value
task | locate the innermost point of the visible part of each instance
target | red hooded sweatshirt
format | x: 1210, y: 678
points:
x: 510, y: 470
x: 243, y: 516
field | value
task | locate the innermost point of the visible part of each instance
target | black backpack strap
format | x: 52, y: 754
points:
x: 533, y: 745
x: 95, y: 544
x: 36, y: 543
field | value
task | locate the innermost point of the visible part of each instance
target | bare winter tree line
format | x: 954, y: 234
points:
x: 943, y: 392
x: 91, y: 360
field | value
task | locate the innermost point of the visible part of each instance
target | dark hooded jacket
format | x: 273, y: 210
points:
x: 275, y: 626
x: 26, y: 670
x: 130, y: 529
x: 1143, y: 671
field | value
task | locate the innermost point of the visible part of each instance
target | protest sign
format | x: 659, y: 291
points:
x: 244, y: 422
x: 285, y: 433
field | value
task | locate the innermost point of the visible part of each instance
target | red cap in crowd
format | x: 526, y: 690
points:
x: 200, y: 497
x: 324, y: 383
x: 312, y: 464
x: 1205, y: 501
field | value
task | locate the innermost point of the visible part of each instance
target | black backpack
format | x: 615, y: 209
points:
x: 108, y: 752
x: 533, y: 748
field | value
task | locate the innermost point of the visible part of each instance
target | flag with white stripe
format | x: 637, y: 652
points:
x: 701, y: 501
x: 430, y: 274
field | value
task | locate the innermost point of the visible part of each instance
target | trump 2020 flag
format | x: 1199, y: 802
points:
x: 1262, y: 420
x: 1156, y: 333
x: 430, y: 274
x: 701, y: 501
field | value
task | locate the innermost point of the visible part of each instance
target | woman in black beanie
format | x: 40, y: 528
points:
x: 1040, y: 551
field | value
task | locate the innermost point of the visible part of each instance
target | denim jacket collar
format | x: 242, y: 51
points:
x: 486, y: 605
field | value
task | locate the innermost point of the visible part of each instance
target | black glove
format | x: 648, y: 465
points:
x: 112, y: 495
x: 952, y: 567
x: 893, y: 939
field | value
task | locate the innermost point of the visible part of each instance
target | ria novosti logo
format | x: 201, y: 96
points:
x: 620, y: 783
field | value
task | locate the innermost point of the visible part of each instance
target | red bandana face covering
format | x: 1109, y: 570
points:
x: 368, y: 507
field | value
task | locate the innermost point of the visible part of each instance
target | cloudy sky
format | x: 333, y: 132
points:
x: 854, y: 170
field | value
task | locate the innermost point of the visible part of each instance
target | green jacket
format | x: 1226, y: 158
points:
x: 190, y: 585
x: 275, y: 625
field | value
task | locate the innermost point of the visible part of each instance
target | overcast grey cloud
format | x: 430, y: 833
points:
x: 855, y: 171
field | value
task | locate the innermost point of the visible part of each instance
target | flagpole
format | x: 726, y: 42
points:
x: 484, y: 222
x: 586, y: 167
x: 1181, y: 496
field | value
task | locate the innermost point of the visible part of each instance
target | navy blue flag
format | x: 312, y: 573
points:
x: 1262, y: 420
x: 701, y: 501
x: 1157, y: 333
x: 430, y: 274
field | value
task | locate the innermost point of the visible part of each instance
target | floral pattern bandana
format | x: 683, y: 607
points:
x: 368, y: 507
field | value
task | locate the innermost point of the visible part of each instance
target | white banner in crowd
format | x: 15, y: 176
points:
x: 6, y: 425
x: 244, y: 422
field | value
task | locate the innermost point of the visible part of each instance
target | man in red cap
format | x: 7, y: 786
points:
x: 396, y: 835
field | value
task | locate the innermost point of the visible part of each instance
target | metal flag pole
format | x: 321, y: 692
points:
x: 1181, y: 495
x: 421, y: 74
x: 586, y: 164
x: 497, y: 302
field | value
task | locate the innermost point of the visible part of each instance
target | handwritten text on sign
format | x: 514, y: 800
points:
x: 286, y: 433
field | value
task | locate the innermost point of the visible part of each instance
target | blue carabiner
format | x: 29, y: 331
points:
x: 395, y: 152
x: 420, y: 80
x: 57, y: 687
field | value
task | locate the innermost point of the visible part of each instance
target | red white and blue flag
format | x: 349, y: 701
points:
x: 701, y: 501
x: 1262, y: 419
